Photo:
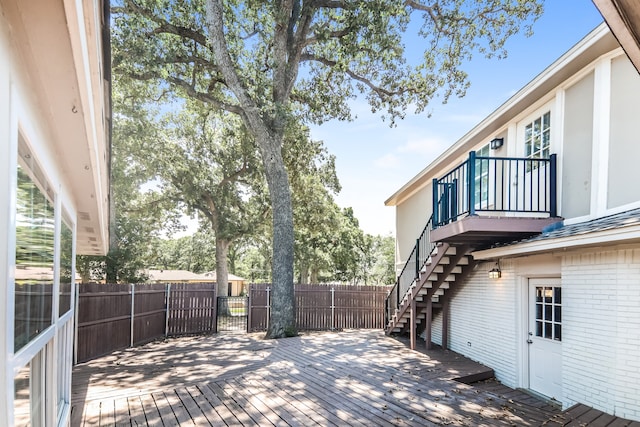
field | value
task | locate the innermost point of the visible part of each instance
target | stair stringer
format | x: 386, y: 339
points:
x: 402, y: 314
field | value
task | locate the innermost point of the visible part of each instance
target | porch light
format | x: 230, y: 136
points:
x: 495, y: 272
x: 496, y: 143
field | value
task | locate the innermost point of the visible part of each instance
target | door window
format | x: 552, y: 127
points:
x: 548, y: 312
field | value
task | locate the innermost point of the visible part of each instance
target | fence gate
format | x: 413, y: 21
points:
x: 232, y: 314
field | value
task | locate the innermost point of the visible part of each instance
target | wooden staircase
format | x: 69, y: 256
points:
x: 445, y: 267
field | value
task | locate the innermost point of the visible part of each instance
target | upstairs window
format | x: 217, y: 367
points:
x: 537, y: 139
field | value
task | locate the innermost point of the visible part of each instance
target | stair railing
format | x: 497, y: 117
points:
x: 411, y: 270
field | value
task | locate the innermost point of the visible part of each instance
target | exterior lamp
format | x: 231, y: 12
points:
x: 496, y: 143
x: 495, y: 272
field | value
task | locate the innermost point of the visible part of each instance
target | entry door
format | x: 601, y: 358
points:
x: 545, y: 337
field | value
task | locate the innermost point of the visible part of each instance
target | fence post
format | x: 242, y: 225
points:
x: 471, y: 182
x: 249, y: 305
x: 268, y: 306
x: 167, y: 308
x: 133, y: 301
x: 333, y: 308
x: 215, y: 308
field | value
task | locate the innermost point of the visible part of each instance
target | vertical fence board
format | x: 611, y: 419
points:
x: 104, y: 314
x: 104, y: 311
x: 354, y: 307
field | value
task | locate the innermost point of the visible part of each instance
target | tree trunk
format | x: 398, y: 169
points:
x: 222, y: 276
x: 222, y: 273
x: 304, y: 272
x: 314, y: 276
x: 268, y: 133
x: 282, y: 322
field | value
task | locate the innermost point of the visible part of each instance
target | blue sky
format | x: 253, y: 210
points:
x: 373, y: 160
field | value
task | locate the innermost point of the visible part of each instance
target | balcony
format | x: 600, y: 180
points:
x: 480, y: 203
x: 490, y: 200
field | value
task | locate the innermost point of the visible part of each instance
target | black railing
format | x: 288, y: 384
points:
x: 495, y: 184
x: 411, y: 270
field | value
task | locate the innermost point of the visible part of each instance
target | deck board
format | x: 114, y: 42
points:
x: 355, y: 378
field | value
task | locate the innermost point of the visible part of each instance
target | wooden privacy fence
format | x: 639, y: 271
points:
x: 115, y: 316
x: 324, y: 307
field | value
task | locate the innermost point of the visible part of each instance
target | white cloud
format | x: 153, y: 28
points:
x: 388, y: 161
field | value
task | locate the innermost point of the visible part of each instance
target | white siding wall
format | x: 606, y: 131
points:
x: 601, y: 323
x: 483, y: 319
x: 436, y: 328
x: 411, y: 217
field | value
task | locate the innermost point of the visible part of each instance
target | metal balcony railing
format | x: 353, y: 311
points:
x: 411, y: 270
x: 495, y: 184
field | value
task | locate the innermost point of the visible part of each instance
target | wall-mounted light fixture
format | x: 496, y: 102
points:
x: 495, y: 272
x: 496, y: 143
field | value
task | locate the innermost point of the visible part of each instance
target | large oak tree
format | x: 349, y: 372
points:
x: 271, y: 62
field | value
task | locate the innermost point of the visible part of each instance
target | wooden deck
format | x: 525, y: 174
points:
x: 356, y: 378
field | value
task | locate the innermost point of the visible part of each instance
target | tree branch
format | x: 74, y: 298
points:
x: 380, y: 91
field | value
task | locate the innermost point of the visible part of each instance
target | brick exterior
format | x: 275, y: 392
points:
x: 601, y: 346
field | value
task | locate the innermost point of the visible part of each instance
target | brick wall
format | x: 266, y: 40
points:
x: 601, y: 322
x: 483, y: 319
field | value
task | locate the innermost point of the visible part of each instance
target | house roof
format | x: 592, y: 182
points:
x: 623, y: 17
x: 176, y: 276
x: 186, y: 276
x: 211, y: 275
x: 619, y: 228
x: 597, y: 43
x: 36, y: 273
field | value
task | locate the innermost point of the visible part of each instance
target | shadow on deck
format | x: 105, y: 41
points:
x: 355, y: 377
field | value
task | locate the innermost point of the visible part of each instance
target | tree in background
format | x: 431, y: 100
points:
x: 246, y: 58
x: 140, y: 216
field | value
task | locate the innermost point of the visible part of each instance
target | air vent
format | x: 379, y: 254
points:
x: 93, y: 239
x: 89, y: 230
x: 84, y: 216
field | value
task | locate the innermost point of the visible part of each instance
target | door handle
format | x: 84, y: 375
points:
x: 529, y: 341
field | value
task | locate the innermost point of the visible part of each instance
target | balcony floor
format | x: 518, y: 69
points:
x: 480, y: 231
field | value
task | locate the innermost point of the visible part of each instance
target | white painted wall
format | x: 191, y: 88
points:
x: 411, y: 217
x: 483, y: 319
x: 601, y: 322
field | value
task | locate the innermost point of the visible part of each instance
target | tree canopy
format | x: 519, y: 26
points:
x: 275, y: 62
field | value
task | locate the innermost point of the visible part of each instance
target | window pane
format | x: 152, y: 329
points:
x: 557, y: 314
x: 538, y: 311
x: 547, y: 330
x: 546, y: 119
x: 547, y: 312
x: 538, y: 329
x: 557, y: 295
x: 34, y: 260
x: 66, y: 275
x: 558, y: 332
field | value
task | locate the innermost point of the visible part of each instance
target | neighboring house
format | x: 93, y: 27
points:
x: 237, y: 285
x: 175, y: 276
x: 54, y: 180
x: 530, y: 260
